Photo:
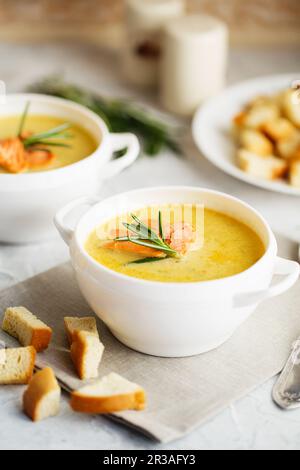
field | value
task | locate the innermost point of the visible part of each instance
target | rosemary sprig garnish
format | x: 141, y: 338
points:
x: 161, y: 231
x: 146, y: 260
x: 145, y: 236
x: 42, y: 138
x: 49, y: 144
x: 119, y: 115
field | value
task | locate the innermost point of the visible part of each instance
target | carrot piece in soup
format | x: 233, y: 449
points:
x: 130, y: 247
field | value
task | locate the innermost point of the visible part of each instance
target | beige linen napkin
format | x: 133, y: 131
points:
x: 182, y: 393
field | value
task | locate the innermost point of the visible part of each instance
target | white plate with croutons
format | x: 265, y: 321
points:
x: 252, y: 132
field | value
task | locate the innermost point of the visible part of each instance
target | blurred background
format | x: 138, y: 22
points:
x: 101, y: 21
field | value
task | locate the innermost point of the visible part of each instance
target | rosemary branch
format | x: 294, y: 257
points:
x: 145, y: 236
x: 119, y: 115
x: 42, y: 138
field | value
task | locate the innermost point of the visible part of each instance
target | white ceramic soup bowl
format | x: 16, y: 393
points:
x: 28, y: 202
x: 173, y: 319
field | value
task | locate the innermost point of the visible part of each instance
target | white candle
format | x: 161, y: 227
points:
x: 142, y: 50
x: 194, y: 62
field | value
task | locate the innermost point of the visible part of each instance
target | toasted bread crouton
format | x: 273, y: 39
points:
x: 239, y: 119
x: 2, y: 356
x: 287, y: 148
x: 269, y: 167
x: 291, y: 106
x: 111, y: 394
x: 258, y: 115
x: 86, y: 354
x: 296, y: 155
x: 279, y: 129
x: 26, y: 328
x: 73, y: 324
x: 42, y: 397
x: 255, y: 142
x: 18, y: 366
x: 294, y: 176
x: 278, y: 98
x: 261, y: 100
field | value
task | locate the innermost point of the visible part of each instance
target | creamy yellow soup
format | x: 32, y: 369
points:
x: 229, y: 247
x: 81, y: 143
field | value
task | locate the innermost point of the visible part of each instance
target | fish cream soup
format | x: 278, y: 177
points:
x: 161, y: 247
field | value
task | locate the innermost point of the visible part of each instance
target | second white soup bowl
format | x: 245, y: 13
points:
x: 173, y: 319
x: 29, y: 201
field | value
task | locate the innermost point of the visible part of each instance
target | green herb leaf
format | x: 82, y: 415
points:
x: 146, y: 260
x: 23, y: 118
x: 141, y: 232
x: 161, y: 231
x: 126, y: 239
x: 144, y: 228
x: 148, y: 244
x: 49, y: 144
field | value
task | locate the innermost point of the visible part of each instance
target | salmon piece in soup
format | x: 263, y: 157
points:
x: 39, y: 158
x: 12, y: 155
x: 178, y: 236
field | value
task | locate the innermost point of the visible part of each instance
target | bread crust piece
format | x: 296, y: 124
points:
x: 105, y: 405
x: 78, y: 352
x: 239, y: 119
x: 291, y: 108
x: 287, y: 148
x: 110, y: 394
x: 27, y: 328
x: 295, y: 173
x: 10, y: 373
x: 41, y: 339
x: 73, y: 324
x: 86, y: 354
x: 30, y: 371
x: 43, y: 385
x: 279, y: 129
x: 256, y: 142
x: 257, y: 115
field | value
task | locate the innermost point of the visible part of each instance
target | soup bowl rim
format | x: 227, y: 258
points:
x: 78, y: 248
x: 28, y: 180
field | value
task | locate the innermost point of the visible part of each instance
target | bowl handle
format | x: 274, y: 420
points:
x: 126, y: 141
x: 65, y: 231
x: 289, y: 272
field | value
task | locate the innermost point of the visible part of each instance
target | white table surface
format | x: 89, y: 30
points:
x: 252, y: 423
